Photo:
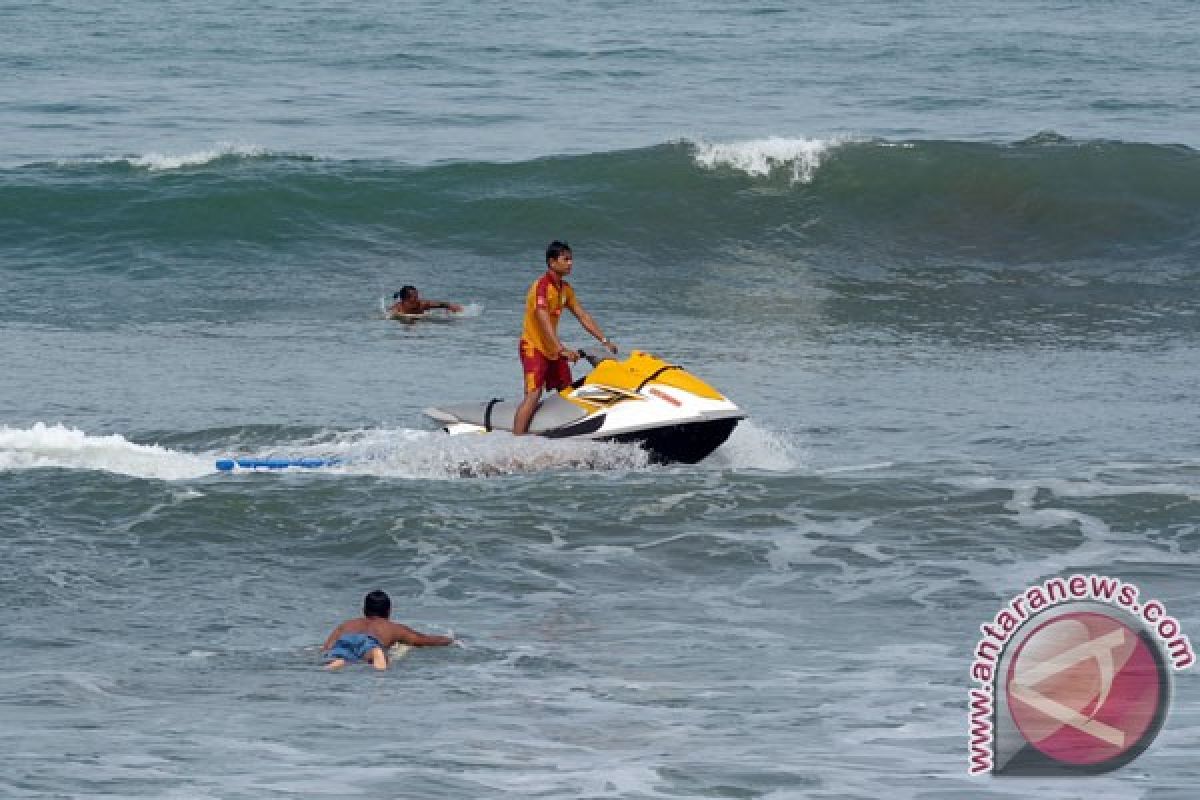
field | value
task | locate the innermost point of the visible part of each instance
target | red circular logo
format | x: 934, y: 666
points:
x: 1085, y: 689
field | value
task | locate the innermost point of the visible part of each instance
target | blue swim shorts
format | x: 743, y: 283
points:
x: 352, y: 647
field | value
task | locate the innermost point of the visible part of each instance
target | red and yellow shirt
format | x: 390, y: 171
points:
x: 552, y: 295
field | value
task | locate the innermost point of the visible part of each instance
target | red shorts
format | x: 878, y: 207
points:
x: 541, y: 372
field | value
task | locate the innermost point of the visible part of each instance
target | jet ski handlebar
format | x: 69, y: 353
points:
x: 594, y: 355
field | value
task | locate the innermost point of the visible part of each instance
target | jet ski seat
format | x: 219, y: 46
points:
x: 553, y: 412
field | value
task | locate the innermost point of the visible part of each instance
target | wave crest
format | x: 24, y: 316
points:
x: 57, y: 446
x: 762, y: 157
x: 163, y: 162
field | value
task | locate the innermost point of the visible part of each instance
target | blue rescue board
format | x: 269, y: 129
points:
x: 230, y: 464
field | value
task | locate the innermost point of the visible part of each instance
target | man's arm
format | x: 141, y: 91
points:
x: 333, y: 637
x: 589, y: 325
x: 405, y: 634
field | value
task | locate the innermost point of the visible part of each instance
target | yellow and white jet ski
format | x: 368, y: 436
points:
x: 661, y: 406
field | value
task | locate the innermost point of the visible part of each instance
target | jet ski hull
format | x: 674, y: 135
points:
x: 685, y: 443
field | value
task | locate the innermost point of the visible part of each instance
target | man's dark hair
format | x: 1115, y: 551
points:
x: 556, y: 249
x: 377, y: 604
x: 405, y: 293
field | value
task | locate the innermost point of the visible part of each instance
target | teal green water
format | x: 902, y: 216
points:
x: 945, y: 260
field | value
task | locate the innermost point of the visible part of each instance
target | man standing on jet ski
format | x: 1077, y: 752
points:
x: 544, y: 358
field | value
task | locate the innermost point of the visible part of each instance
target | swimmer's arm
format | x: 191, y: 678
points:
x: 407, y: 635
x: 333, y: 637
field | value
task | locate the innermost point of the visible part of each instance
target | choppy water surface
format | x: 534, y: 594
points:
x: 946, y: 264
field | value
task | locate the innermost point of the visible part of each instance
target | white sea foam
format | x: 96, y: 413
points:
x: 753, y: 447
x: 760, y: 157
x: 44, y: 446
x: 433, y: 455
x: 1085, y: 488
x: 416, y: 454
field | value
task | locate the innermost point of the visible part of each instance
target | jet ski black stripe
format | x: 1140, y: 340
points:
x: 577, y: 429
x: 487, y: 414
x: 656, y: 373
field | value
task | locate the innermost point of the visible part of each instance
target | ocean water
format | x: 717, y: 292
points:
x: 945, y: 259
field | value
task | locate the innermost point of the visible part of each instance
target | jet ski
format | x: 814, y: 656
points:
x: 671, y: 413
